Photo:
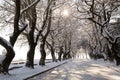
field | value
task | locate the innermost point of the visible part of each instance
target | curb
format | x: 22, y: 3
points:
x: 44, y: 71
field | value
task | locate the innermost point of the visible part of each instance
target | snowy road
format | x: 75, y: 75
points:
x: 83, y: 70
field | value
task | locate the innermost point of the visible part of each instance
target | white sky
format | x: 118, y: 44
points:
x: 1, y: 1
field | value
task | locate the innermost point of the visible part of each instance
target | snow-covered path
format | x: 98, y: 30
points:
x: 83, y: 70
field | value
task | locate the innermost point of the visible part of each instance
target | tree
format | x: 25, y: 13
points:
x: 19, y: 27
x: 99, y: 12
x: 32, y: 18
x: 45, y: 35
x: 9, y: 45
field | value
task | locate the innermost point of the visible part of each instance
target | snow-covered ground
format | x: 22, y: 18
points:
x: 80, y: 69
x: 24, y: 72
x: 83, y: 70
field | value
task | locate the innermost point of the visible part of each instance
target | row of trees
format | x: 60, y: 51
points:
x: 39, y: 24
x: 104, y: 39
x: 86, y: 24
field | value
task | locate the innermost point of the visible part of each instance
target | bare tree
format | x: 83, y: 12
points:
x: 9, y: 45
x: 45, y: 35
x: 32, y: 18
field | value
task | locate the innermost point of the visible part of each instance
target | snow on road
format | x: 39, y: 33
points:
x: 83, y: 70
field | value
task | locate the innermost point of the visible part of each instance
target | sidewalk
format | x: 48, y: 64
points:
x: 25, y: 73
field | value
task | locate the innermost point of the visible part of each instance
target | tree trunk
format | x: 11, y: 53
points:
x: 8, y: 59
x: 31, y: 38
x: 52, y: 51
x: 9, y: 56
x: 69, y: 56
x: 65, y: 56
x: 9, y: 45
x: 53, y: 55
x: 115, y: 52
x: 30, y: 57
x: 117, y: 58
x: 31, y: 51
x: 60, y: 54
x: 43, y: 53
x: 44, y: 37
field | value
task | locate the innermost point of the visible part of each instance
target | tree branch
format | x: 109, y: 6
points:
x: 29, y: 6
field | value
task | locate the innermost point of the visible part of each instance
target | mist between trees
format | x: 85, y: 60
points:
x: 60, y: 28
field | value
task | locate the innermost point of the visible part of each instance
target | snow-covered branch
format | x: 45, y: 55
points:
x: 29, y: 6
x: 96, y: 22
